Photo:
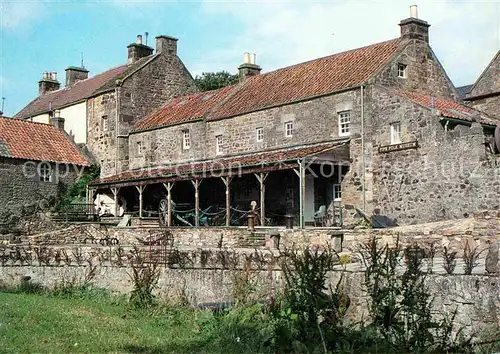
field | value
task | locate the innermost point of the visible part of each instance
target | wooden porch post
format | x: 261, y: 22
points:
x: 261, y: 177
x: 302, y: 190
x: 168, y: 186
x: 227, y: 182
x: 140, y: 189
x: 115, y: 191
x: 196, y: 184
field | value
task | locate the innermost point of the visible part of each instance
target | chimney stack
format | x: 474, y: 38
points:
x: 413, y: 27
x: 138, y: 50
x: 166, y: 45
x: 74, y: 74
x: 56, y: 120
x: 248, y: 68
x: 48, y: 83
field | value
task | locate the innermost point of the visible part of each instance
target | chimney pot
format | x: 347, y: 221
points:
x: 414, y: 11
x: 246, y: 58
x: 139, y: 39
x: 248, y: 68
x: 48, y: 83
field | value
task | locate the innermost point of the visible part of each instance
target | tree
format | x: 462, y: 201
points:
x: 213, y: 81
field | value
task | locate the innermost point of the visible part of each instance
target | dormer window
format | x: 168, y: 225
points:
x: 402, y: 71
x: 186, y: 140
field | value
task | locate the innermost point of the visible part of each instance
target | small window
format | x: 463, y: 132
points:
x: 218, y: 144
x: 395, y: 133
x: 186, y: 140
x: 289, y: 129
x: 105, y: 125
x: 402, y: 71
x: 260, y: 134
x: 344, y: 123
x: 45, y: 172
x: 337, y: 192
x: 138, y: 148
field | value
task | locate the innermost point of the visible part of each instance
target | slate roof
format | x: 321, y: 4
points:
x: 82, y: 89
x: 227, y: 165
x: 297, y: 82
x: 463, y: 90
x: 448, y: 108
x: 22, y: 139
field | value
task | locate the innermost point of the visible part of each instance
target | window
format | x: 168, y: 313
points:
x: 186, y: 140
x: 45, y: 172
x: 337, y: 192
x: 289, y: 129
x: 395, y: 133
x: 260, y: 134
x: 138, y: 149
x: 344, y: 123
x: 402, y: 71
x: 218, y: 144
x: 105, y: 125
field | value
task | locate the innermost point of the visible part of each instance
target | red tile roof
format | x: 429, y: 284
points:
x: 448, y: 108
x: 21, y: 139
x: 223, y: 166
x: 290, y: 84
x: 68, y: 95
x: 184, y: 109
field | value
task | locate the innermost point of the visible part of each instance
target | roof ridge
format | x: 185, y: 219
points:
x: 326, y: 56
x: 25, y: 120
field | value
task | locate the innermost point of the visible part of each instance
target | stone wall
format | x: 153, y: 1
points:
x: 475, y: 298
x: 489, y: 105
x: 20, y: 183
x: 425, y: 73
x: 164, y: 77
x: 314, y: 121
x: 449, y: 176
x: 489, y: 81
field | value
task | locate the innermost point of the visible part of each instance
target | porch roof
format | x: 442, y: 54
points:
x: 278, y: 159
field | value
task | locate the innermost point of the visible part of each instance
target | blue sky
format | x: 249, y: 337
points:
x: 39, y: 36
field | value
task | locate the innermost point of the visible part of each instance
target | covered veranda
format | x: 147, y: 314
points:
x: 300, y: 182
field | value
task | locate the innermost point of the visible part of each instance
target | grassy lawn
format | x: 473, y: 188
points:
x: 43, y: 323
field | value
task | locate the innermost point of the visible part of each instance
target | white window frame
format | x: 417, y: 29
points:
x: 289, y: 129
x: 337, y: 192
x: 344, y: 123
x: 186, y: 139
x: 259, y: 132
x: 396, y: 133
x: 138, y: 148
x: 219, y: 141
x: 105, y: 123
x: 402, y: 71
x: 45, y: 172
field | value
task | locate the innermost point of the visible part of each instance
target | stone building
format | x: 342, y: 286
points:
x: 375, y: 131
x: 37, y: 162
x: 100, y: 109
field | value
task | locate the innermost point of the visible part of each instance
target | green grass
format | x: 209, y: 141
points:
x: 44, y: 323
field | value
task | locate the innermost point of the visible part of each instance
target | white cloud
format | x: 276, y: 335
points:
x: 16, y: 13
x: 464, y: 35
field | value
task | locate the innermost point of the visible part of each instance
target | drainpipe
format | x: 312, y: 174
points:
x: 363, y: 146
x: 117, y: 92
